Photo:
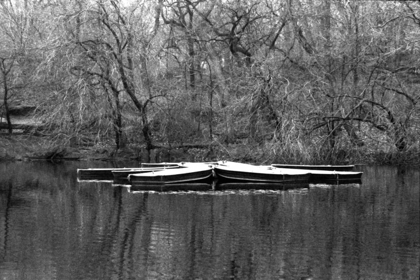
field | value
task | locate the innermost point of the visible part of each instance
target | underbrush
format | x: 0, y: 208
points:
x: 407, y: 158
x: 26, y: 147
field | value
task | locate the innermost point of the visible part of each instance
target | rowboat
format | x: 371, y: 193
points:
x: 291, y: 176
x: 102, y: 174
x: 316, y: 167
x: 330, y: 177
x: 196, y: 174
x: 239, y: 172
x: 120, y: 176
x: 117, y: 174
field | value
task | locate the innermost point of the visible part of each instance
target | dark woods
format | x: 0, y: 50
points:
x: 290, y: 80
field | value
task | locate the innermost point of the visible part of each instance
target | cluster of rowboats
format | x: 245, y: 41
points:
x: 222, y: 175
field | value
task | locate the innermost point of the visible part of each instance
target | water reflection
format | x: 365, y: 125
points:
x: 52, y: 227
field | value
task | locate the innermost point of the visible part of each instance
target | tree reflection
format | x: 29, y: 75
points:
x: 53, y: 227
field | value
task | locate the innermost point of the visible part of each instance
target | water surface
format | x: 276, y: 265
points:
x: 53, y: 227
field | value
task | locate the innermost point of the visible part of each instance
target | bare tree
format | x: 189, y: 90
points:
x: 106, y: 38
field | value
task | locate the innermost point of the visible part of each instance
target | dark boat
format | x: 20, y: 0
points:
x: 107, y: 174
x: 316, y: 167
x: 330, y: 177
x: 237, y: 172
x: 120, y: 176
x: 196, y: 174
x: 100, y: 174
x: 236, y: 185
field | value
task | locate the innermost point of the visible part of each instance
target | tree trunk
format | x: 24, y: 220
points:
x: 191, y: 51
x: 118, y: 125
x: 5, y: 100
x: 128, y: 84
x: 216, y: 69
x: 191, y: 63
x: 356, y: 48
x: 400, y: 137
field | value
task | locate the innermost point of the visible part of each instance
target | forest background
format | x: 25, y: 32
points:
x: 297, y: 81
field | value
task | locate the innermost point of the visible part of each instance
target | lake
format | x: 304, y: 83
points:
x: 53, y: 227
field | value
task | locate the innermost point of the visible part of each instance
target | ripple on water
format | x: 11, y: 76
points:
x: 56, y: 228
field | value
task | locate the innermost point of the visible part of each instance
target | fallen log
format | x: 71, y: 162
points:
x: 186, y: 146
x: 23, y: 110
x: 24, y: 127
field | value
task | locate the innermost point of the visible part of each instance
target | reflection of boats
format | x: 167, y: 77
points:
x: 230, y: 171
x: 316, y: 167
x: 194, y: 174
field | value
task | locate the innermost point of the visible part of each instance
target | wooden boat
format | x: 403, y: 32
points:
x: 228, y: 171
x: 330, y: 177
x: 316, y: 167
x: 195, y: 174
x: 120, y: 176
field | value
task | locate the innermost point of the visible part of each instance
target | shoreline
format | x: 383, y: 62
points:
x: 34, y: 148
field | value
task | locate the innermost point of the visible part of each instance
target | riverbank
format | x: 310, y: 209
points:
x: 29, y: 147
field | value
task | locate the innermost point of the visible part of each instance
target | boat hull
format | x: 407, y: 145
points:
x: 173, y: 176
x: 236, y: 185
x: 100, y: 174
x: 331, y: 177
x: 116, y: 174
x: 316, y: 167
x: 197, y: 186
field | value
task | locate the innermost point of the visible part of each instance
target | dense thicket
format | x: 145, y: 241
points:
x: 294, y: 79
